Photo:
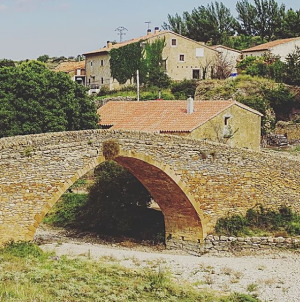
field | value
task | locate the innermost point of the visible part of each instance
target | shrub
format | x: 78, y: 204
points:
x: 184, y: 89
x: 22, y: 250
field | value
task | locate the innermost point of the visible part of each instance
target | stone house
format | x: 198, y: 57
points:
x: 183, y: 58
x: 76, y: 70
x: 228, y: 58
x: 279, y: 48
x: 226, y: 122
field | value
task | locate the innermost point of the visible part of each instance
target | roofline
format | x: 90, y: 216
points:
x: 252, y: 49
x: 103, y: 50
x: 222, y: 46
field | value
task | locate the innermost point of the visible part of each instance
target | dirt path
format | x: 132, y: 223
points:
x: 273, y: 276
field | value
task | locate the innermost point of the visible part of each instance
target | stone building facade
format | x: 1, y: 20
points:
x: 183, y: 59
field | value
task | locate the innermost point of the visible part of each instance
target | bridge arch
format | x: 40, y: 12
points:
x: 184, y: 220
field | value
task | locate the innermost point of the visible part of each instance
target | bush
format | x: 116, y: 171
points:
x: 233, y: 225
x: 22, y: 250
x: 260, y: 219
x: 184, y: 89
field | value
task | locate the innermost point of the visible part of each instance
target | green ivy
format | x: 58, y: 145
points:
x: 145, y: 57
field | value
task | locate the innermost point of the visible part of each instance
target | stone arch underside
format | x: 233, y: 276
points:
x: 182, y: 221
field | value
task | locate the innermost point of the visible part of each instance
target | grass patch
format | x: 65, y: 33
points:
x: 260, y: 221
x: 44, y: 278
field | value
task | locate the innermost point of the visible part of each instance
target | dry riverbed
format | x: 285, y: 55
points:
x: 272, y: 276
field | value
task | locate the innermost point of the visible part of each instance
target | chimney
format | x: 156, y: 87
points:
x: 190, y: 105
x: 109, y: 44
x: 149, y: 32
x: 156, y: 30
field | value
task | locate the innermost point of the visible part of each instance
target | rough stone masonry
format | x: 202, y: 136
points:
x: 194, y: 182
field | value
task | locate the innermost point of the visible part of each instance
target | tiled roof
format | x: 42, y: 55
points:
x: 159, y: 33
x: 225, y: 47
x: 161, y: 116
x: 269, y: 45
x: 70, y: 66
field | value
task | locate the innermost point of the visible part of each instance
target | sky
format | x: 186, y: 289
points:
x: 30, y: 28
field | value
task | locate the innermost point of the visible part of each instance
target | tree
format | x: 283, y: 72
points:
x: 43, y: 58
x: 247, y: 16
x: 293, y: 67
x: 7, y: 63
x: 176, y: 24
x: 34, y: 99
x: 213, y: 22
x: 263, y: 18
x: 290, y: 26
x: 114, y: 200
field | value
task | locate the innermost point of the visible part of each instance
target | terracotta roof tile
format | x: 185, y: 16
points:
x: 267, y: 46
x: 161, y: 116
x: 70, y: 66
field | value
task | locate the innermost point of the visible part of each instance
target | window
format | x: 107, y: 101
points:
x: 181, y: 58
x: 91, y: 63
x: 164, y: 64
x: 102, y: 80
x: 199, y: 52
x: 226, y: 119
x: 173, y: 42
x: 196, y: 74
x: 101, y: 62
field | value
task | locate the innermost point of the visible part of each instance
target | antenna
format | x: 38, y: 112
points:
x: 121, y: 30
x: 148, y: 24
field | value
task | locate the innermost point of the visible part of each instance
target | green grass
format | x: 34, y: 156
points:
x: 41, y: 277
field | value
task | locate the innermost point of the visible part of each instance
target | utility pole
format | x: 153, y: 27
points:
x: 138, y: 85
x: 121, y: 30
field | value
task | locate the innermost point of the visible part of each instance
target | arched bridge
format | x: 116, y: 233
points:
x: 194, y: 182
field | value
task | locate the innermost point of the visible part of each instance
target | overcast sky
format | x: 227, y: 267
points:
x: 30, y: 28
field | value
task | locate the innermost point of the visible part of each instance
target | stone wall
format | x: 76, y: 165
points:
x: 290, y: 130
x: 100, y: 103
x: 225, y: 244
x: 192, y: 190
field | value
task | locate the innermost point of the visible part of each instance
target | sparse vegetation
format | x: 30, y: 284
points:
x: 27, y: 274
x: 259, y: 221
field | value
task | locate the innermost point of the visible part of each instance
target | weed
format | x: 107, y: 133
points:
x: 28, y: 151
x: 252, y: 287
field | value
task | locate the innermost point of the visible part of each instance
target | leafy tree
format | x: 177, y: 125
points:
x: 114, y: 200
x: 34, y: 99
x: 43, y: 58
x: 213, y: 22
x: 7, y: 63
x: 176, y: 24
x: 293, y: 67
x: 290, y: 25
x: 263, y: 18
x: 246, y: 15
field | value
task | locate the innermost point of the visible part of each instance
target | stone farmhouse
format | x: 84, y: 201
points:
x: 76, y: 70
x: 227, y: 122
x: 279, y: 48
x: 183, y: 58
x: 228, y: 58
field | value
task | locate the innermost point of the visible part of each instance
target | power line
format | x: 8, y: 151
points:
x: 121, y: 30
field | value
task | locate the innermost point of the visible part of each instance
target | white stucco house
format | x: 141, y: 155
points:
x: 278, y: 48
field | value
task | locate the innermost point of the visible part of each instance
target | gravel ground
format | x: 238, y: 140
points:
x: 272, y: 276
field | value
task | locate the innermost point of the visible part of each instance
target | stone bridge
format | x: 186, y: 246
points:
x: 194, y: 182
